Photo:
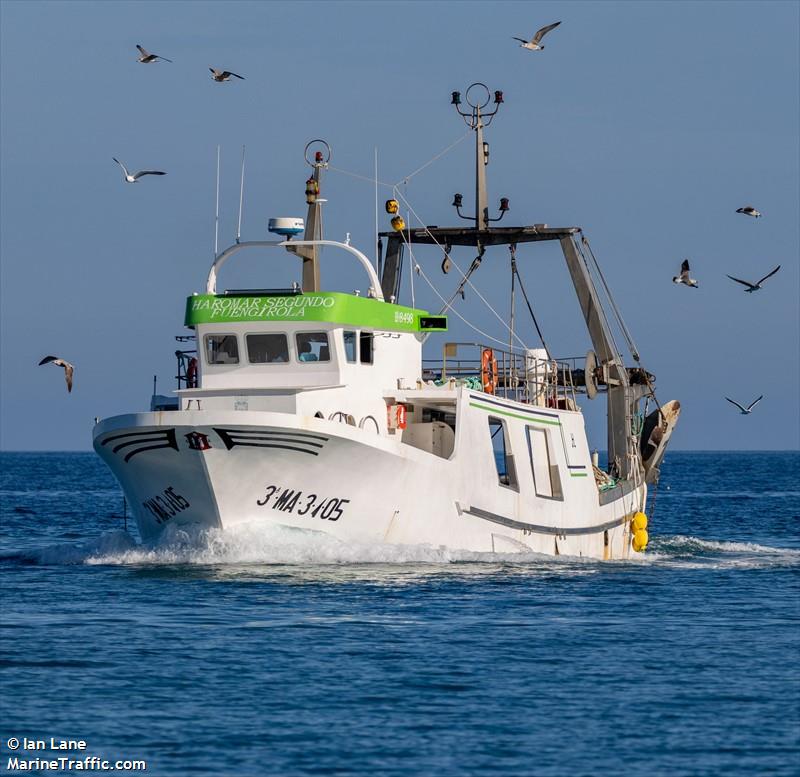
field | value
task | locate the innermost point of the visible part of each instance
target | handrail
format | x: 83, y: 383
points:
x: 541, y: 381
x: 221, y: 258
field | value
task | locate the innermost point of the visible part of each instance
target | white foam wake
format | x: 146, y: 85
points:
x: 266, y: 544
x: 693, y: 552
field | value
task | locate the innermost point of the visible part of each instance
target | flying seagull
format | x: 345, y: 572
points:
x: 68, y: 368
x: 146, y: 57
x: 132, y: 178
x: 749, y: 409
x: 749, y: 210
x: 534, y: 43
x: 751, y: 287
x: 684, y: 276
x: 223, y: 75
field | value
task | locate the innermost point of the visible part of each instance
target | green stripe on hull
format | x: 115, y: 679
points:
x: 533, y: 418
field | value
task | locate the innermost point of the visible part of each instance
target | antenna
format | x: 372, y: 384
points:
x: 241, y: 199
x: 377, y: 249
x: 216, y: 213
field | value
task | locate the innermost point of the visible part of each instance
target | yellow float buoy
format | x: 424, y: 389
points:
x: 392, y: 206
x: 639, y: 521
x: 398, y: 224
x: 640, y: 539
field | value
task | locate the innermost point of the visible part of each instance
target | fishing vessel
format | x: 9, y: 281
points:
x: 316, y: 410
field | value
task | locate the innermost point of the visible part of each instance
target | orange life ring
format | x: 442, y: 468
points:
x: 488, y: 370
x: 191, y: 373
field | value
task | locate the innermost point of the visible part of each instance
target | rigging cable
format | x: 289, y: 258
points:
x: 464, y: 275
x: 407, y: 178
x: 626, y: 334
x: 618, y: 315
x: 447, y: 305
x: 579, y: 246
x: 513, y: 250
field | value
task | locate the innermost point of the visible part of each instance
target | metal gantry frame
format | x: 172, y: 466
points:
x: 622, y: 396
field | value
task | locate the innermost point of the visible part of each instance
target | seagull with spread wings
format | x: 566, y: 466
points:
x: 685, y: 277
x: 69, y: 369
x: 746, y: 410
x: 145, y: 57
x: 134, y: 177
x: 534, y: 44
x: 224, y: 75
x: 749, y: 210
x: 751, y: 287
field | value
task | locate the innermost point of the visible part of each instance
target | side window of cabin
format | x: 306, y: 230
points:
x: 503, y: 458
x: 313, y: 347
x: 267, y: 348
x: 365, y: 343
x: 546, y: 478
x: 222, y: 349
x: 350, y: 346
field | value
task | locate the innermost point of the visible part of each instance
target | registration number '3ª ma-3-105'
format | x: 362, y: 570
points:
x: 290, y: 501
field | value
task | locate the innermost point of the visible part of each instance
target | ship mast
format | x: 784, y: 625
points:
x: 313, y: 226
x: 476, y: 119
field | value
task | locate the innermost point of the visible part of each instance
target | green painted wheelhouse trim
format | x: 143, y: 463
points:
x: 332, y: 307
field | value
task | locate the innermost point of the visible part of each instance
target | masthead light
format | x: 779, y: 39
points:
x: 455, y: 98
x: 457, y: 199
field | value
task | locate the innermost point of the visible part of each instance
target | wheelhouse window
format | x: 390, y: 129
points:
x: 269, y: 348
x: 313, y: 347
x: 365, y: 342
x: 350, y: 345
x: 501, y: 450
x: 222, y: 349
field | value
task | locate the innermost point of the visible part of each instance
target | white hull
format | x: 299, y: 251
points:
x: 216, y: 468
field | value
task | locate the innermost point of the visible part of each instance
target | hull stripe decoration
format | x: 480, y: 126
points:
x: 536, y: 529
x: 301, y: 442
x: 144, y: 441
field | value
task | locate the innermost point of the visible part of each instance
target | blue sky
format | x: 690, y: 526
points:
x: 647, y: 124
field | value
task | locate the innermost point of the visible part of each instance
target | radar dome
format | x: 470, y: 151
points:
x: 287, y: 227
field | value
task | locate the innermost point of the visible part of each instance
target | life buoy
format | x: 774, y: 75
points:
x: 488, y: 370
x: 191, y: 373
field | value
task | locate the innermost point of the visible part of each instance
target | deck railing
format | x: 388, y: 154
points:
x: 521, y: 376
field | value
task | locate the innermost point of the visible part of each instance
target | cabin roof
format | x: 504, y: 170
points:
x: 332, y: 307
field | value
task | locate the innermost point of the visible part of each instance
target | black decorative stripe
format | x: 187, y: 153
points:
x: 265, y: 438
x: 271, y: 445
x: 128, y: 444
x: 269, y: 438
x: 513, y: 407
x: 139, y: 435
x: 531, y: 527
x: 133, y: 453
x: 576, y: 466
x: 150, y: 440
x: 238, y: 432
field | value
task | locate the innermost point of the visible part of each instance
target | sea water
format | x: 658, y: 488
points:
x: 269, y: 651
